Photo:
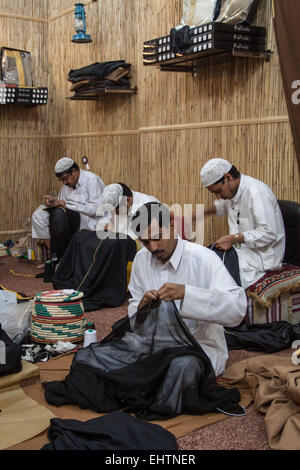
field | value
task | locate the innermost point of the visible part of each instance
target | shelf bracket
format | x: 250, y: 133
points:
x: 178, y: 68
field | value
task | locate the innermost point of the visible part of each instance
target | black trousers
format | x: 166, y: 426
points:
x: 63, y: 224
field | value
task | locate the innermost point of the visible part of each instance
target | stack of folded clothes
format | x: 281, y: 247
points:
x: 93, y: 79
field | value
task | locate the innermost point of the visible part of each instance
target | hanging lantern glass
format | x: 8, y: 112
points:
x: 79, y: 24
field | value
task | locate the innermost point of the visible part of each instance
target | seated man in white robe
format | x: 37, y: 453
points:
x: 256, y: 228
x: 123, y: 203
x: 163, y: 358
x: 171, y: 269
x: 58, y: 219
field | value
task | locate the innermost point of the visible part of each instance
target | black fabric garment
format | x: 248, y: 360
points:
x: 97, y: 69
x: 94, y: 87
x: 291, y: 218
x: 10, y: 355
x: 267, y: 337
x: 81, y: 78
x: 91, y: 84
x: 179, y: 39
x: 217, y: 9
x: 97, y: 267
x: 131, y: 370
x: 49, y: 271
x: 63, y: 224
x: 115, y: 431
x: 230, y: 260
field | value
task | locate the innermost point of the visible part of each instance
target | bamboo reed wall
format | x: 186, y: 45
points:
x: 106, y: 131
x: 155, y: 141
x: 235, y: 110
x: 24, y: 133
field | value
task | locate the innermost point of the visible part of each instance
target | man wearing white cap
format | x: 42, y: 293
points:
x: 124, y: 202
x: 58, y: 219
x: 256, y: 228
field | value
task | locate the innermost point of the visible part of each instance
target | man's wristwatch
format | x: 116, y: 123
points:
x: 236, y: 240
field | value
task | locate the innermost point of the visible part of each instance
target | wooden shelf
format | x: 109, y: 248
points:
x: 190, y: 48
x: 104, y: 91
x: 192, y: 64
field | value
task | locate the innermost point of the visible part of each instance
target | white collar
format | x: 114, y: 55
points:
x: 238, y: 194
x: 81, y: 177
x: 176, y: 255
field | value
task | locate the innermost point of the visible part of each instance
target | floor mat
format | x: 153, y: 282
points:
x: 58, y: 368
x: 21, y: 417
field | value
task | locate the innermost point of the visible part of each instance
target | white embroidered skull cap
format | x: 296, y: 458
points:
x: 112, y: 195
x: 64, y: 164
x: 213, y: 170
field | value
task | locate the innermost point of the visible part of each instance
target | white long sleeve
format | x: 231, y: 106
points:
x: 212, y: 298
x: 85, y: 198
x: 254, y: 212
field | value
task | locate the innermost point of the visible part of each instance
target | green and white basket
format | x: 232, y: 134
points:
x: 58, y: 315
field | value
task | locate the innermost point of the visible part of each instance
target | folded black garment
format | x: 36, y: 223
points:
x: 231, y: 261
x: 122, y: 83
x: 267, y: 337
x: 99, y: 69
x: 149, y: 365
x: 115, y: 431
x: 89, y: 84
x: 86, y: 84
x: 10, y: 355
x: 83, y: 84
x: 97, y: 267
x: 86, y: 77
x: 95, y: 87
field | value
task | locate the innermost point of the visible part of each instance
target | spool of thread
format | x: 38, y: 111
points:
x: 90, y: 337
x: 31, y: 254
x: 90, y: 326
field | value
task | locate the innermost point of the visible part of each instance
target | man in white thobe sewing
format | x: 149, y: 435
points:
x: 58, y: 219
x: 122, y: 203
x: 171, y: 269
x: 256, y: 228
